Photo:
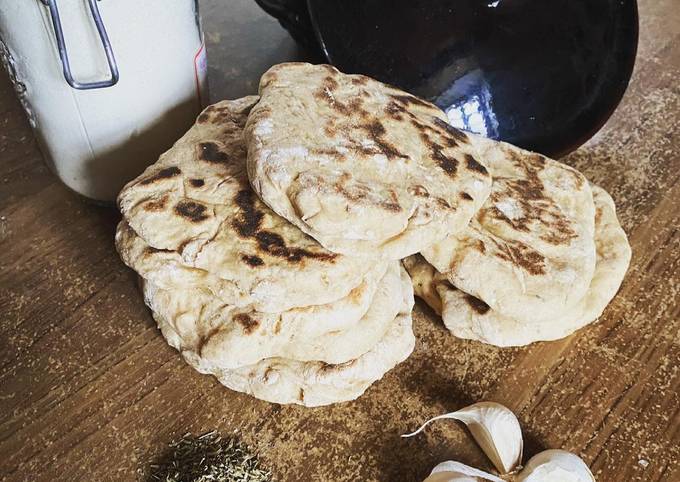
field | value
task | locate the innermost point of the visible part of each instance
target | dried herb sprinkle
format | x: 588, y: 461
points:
x: 208, y: 458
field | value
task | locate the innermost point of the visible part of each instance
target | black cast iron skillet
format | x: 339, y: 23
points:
x: 541, y: 74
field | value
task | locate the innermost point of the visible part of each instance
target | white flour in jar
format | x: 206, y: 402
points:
x: 96, y: 140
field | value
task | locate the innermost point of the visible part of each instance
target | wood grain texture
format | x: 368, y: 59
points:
x: 90, y: 391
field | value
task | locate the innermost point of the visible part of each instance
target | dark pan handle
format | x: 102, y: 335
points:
x: 293, y: 15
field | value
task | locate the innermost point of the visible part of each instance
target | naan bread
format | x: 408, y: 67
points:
x: 529, y: 252
x: 194, y: 215
x: 469, y: 317
x: 279, y: 380
x: 364, y: 168
x: 224, y: 336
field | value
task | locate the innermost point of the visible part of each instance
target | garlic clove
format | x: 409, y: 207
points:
x: 556, y: 466
x: 450, y: 477
x: 452, y: 471
x: 496, y: 430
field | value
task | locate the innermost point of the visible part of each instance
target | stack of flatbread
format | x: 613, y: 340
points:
x: 244, y: 294
x: 268, y: 240
x: 542, y: 257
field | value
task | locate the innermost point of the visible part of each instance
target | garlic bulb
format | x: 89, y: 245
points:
x: 496, y: 430
x: 556, y: 466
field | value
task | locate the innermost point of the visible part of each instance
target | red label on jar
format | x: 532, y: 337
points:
x: 201, y: 72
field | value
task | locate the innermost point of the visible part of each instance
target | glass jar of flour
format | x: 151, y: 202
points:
x: 107, y: 85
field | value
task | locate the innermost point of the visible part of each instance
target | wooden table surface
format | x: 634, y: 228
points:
x: 90, y: 391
